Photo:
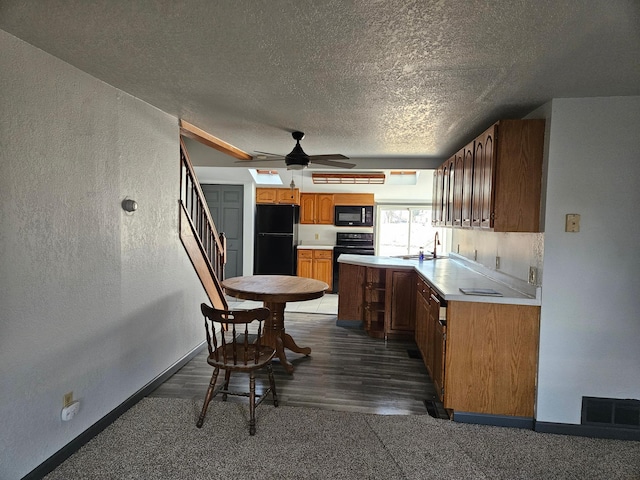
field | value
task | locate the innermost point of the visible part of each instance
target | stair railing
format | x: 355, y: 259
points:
x: 194, y: 205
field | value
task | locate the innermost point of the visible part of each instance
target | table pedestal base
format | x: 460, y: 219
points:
x: 275, y: 336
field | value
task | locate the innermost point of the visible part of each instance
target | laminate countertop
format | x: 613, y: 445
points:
x: 315, y: 247
x: 447, y: 275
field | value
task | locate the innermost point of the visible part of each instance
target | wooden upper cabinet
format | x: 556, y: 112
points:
x: 266, y: 195
x: 284, y: 196
x: 289, y: 196
x: 517, y: 177
x: 495, y: 182
x: 316, y: 208
x: 357, y: 199
x: 438, y: 190
x: 324, y: 209
x: 467, y: 183
x: 449, y: 179
x: 458, y: 182
x: 307, y: 208
x: 484, y: 161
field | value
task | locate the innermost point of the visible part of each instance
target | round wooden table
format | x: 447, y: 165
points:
x: 275, y: 291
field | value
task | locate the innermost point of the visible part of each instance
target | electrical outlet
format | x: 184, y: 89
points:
x: 572, y: 222
x: 533, y: 275
x: 316, y: 236
x: 67, y: 399
x: 497, y: 263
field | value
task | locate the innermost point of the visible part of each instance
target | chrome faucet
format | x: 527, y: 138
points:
x: 436, y: 242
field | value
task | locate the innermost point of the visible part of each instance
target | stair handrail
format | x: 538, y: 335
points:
x: 192, y: 199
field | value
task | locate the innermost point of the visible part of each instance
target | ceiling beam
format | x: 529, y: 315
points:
x: 191, y: 131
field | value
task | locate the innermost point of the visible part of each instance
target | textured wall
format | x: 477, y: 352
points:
x: 94, y: 300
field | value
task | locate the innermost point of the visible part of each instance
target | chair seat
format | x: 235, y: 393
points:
x: 265, y: 355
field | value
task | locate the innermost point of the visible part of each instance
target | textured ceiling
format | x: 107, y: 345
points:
x: 392, y: 79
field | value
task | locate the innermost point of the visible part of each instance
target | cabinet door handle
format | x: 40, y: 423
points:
x: 443, y: 323
x: 435, y: 298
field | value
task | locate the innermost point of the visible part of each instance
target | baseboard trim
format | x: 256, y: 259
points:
x: 578, y: 430
x: 495, y: 420
x: 65, y: 452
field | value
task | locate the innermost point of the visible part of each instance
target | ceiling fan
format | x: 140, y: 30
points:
x: 297, y: 159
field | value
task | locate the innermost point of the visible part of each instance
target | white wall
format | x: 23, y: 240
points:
x: 94, y: 300
x: 590, y: 320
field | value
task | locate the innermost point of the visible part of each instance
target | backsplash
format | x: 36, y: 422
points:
x: 516, y: 251
x: 326, y: 233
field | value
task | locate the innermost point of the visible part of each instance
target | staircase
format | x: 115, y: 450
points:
x: 205, y: 247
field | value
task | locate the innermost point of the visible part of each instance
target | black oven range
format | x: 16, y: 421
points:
x: 356, y: 243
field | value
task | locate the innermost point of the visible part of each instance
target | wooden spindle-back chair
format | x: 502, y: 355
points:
x: 235, y: 352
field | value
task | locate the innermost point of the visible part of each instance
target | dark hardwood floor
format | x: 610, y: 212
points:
x: 347, y: 370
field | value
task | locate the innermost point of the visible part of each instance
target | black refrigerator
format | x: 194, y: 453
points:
x: 276, y: 239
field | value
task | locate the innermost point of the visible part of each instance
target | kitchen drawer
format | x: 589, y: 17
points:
x: 325, y: 254
x: 306, y: 254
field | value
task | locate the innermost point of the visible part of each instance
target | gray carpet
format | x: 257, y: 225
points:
x: 157, y: 439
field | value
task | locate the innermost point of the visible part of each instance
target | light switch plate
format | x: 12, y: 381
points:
x: 573, y: 222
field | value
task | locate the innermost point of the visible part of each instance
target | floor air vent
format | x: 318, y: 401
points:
x: 611, y: 412
x: 414, y: 353
x: 432, y: 409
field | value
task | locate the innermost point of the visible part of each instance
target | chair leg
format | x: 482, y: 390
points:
x: 272, y: 382
x: 252, y: 403
x: 227, y: 376
x: 207, y: 397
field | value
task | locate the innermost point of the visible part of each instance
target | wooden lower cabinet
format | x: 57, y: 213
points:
x: 374, y: 301
x: 383, y: 299
x: 437, y: 331
x: 430, y: 333
x: 317, y: 264
x: 400, y: 302
x: 422, y: 317
x: 482, y: 357
x: 351, y: 293
x: 491, y: 358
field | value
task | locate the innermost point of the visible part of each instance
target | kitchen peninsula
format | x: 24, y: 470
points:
x: 481, y: 350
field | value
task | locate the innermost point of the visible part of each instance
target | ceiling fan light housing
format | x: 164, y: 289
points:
x: 297, y: 159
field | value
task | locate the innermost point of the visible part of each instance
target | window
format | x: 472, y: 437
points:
x: 402, y: 230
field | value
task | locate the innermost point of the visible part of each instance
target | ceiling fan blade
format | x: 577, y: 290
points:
x: 257, y: 159
x: 330, y: 156
x: 331, y: 163
x: 267, y: 153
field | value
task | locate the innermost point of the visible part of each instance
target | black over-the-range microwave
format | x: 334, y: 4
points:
x: 353, y: 216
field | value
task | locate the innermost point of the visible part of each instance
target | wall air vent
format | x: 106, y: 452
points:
x: 348, y: 178
x: 611, y: 412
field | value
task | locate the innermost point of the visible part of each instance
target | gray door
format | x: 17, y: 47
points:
x: 225, y: 203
